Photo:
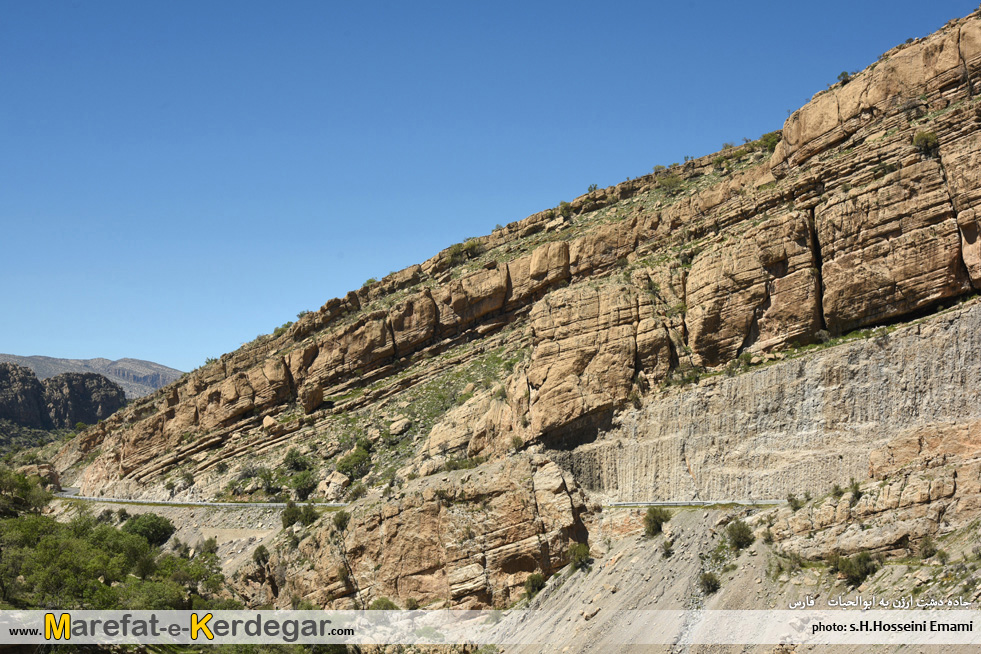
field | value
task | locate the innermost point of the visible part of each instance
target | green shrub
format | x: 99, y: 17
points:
x: 855, y: 490
x: 579, y: 555
x: 534, y: 583
x: 383, y: 604
x: 926, y: 142
x: 341, y: 519
x: 210, y: 546
x: 739, y: 534
x: 667, y: 548
x: 844, y: 77
x: 656, y: 516
x: 291, y: 515
x: 308, y: 515
x: 356, y: 464
x: 927, y: 548
x: 411, y: 604
x: 304, y: 483
x: 565, y: 209
x: 856, y: 569
x: 943, y: 557
x: 592, y: 187
x: 769, y: 141
x: 670, y: 183
x: 709, y: 582
x: 296, y: 462
x: 156, y: 529
x: 368, y: 282
x: 356, y: 491
x: 517, y: 442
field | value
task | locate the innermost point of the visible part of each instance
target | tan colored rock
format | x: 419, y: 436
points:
x: 586, y: 344
x: 462, y: 302
x: 470, y: 536
x: 889, y: 249
x: 755, y: 294
x: 545, y: 267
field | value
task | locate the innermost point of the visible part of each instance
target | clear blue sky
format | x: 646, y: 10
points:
x: 179, y: 177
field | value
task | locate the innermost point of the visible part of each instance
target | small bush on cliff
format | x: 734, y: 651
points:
x: 304, y: 483
x: 926, y: 142
x: 855, y: 569
x: 709, y: 582
x: 579, y: 555
x: 341, y: 518
x: 291, y: 515
x: 383, y: 604
x: 927, y: 548
x: 655, y: 518
x: 296, y: 462
x: 534, y: 583
x: 356, y: 464
x: 740, y: 535
x: 855, y: 490
x: 667, y: 548
x: 156, y: 529
x: 261, y: 555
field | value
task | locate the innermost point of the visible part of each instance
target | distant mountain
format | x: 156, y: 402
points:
x: 137, y: 377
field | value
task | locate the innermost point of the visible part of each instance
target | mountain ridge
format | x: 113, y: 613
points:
x: 137, y: 377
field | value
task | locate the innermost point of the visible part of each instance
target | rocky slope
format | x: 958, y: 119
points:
x: 725, y: 329
x: 137, y: 377
x: 58, y: 402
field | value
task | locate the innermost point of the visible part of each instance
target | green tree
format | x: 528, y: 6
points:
x: 156, y: 529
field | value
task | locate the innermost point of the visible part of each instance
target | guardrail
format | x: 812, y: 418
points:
x: 72, y: 494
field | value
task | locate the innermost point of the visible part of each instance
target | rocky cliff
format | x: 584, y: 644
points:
x: 61, y: 401
x: 732, y: 328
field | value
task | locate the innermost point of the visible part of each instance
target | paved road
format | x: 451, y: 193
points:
x: 72, y: 494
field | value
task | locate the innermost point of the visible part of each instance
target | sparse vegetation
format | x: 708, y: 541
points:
x: 260, y: 555
x: 579, y: 555
x: 927, y: 548
x: 534, y: 583
x: 709, y: 583
x: 667, y: 548
x: 655, y: 517
x: 341, y: 520
x: 739, y: 534
x: 926, y: 143
x: 356, y: 464
x: 855, y: 569
x: 383, y: 604
x: 795, y: 502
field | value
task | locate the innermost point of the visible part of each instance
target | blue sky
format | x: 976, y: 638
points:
x: 180, y: 177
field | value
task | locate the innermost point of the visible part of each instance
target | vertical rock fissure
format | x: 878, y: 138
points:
x: 965, y: 270
x: 391, y: 334
x: 818, y: 266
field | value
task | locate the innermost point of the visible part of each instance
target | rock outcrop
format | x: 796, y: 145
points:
x: 58, y: 402
x: 467, y: 538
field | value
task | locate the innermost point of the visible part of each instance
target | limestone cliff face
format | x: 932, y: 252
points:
x: 567, y: 333
x: 792, y: 426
